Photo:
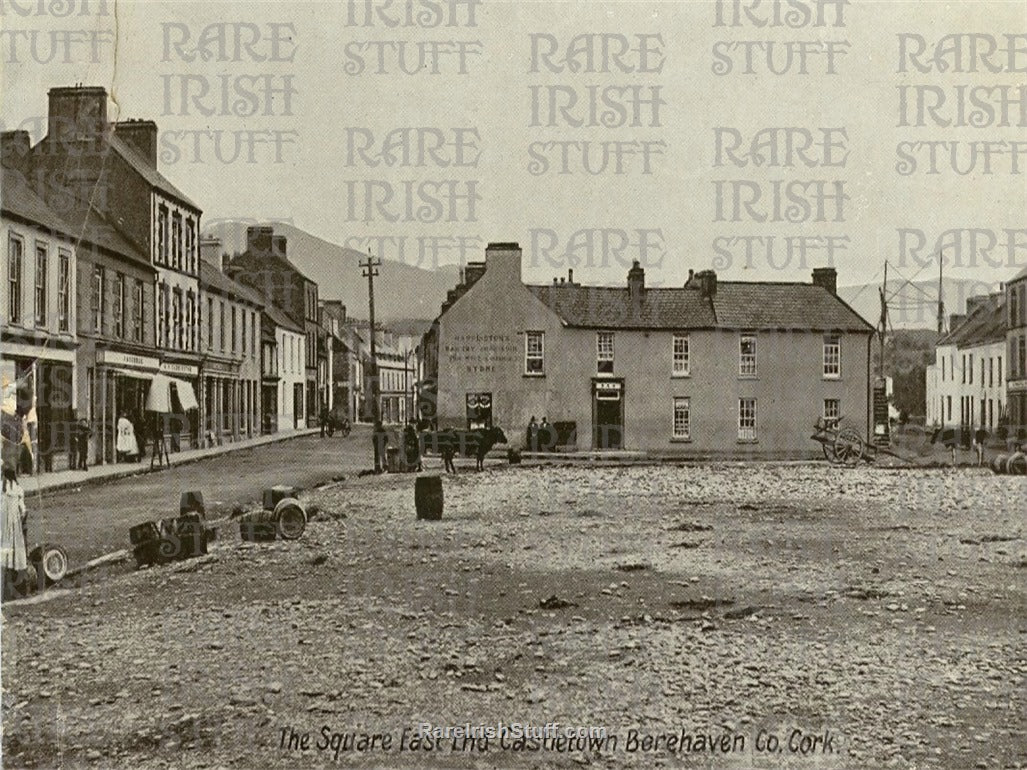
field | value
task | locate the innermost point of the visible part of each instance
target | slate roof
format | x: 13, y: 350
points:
x: 280, y: 318
x: 986, y: 324
x: 142, y: 167
x: 737, y: 305
x: 78, y: 223
x: 1021, y: 275
x: 213, y: 278
x: 18, y: 199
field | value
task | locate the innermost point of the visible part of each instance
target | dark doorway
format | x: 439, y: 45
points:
x: 608, y: 414
x: 297, y: 404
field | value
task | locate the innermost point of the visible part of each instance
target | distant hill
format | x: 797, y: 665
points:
x: 914, y: 305
x: 401, y: 291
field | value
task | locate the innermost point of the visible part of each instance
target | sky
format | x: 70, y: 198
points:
x: 284, y: 111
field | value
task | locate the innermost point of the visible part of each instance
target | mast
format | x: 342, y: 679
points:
x: 941, y: 302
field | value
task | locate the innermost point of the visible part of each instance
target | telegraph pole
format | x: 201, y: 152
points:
x: 941, y: 302
x: 370, y: 270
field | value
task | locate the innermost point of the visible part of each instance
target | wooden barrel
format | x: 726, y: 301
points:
x: 50, y: 562
x: 290, y: 518
x: 1016, y: 465
x: 998, y: 463
x: 514, y: 456
x: 258, y: 526
x: 192, y: 535
x: 428, y: 497
x: 191, y: 501
x: 145, y: 539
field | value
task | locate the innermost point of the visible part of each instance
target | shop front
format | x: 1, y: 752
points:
x: 183, y: 422
x: 119, y: 387
x: 221, y: 401
x: 47, y: 373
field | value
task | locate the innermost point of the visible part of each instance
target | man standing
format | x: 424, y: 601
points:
x: 379, y: 438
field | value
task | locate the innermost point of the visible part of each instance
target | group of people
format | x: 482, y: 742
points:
x: 541, y: 436
x: 411, y: 447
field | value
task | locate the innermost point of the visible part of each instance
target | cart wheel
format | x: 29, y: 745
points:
x: 848, y: 447
x: 51, y: 562
x: 829, y: 453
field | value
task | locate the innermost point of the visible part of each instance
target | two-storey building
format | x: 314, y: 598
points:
x: 711, y: 367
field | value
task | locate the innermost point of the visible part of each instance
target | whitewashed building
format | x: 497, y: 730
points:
x: 966, y: 383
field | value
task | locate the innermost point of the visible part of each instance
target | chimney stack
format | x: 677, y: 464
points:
x: 956, y: 320
x: 472, y: 272
x: 503, y: 263
x: 210, y: 251
x: 14, y: 150
x: 278, y: 246
x: 76, y: 114
x: 636, y: 281
x: 570, y: 275
x: 258, y: 239
x: 827, y: 277
x: 707, y: 283
x: 141, y: 135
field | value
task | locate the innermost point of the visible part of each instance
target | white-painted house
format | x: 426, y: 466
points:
x: 966, y: 383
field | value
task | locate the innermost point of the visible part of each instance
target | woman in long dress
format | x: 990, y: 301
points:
x: 127, y: 446
x: 13, y: 552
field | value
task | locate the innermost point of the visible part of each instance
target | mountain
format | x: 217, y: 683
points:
x: 401, y: 291
x: 913, y: 305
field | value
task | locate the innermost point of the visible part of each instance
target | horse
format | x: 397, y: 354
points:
x: 486, y: 440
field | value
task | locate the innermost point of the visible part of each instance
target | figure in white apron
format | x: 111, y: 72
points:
x: 127, y: 446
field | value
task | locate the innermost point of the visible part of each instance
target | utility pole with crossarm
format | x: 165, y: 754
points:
x: 370, y: 270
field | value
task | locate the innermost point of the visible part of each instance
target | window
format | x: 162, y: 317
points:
x: 15, y: 259
x: 832, y: 409
x: 679, y: 356
x: 534, y: 353
x: 193, y: 323
x: 963, y: 361
x: 176, y: 242
x: 832, y: 355
x: 747, y: 355
x: 63, y: 291
x: 943, y: 368
x: 253, y: 332
x: 162, y: 235
x: 999, y: 368
x: 234, y: 341
x: 177, y: 334
x: 190, y: 246
x: 982, y: 371
x: 991, y: 372
x: 119, y: 305
x: 970, y: 368
x: 604, y: 352
x: 40, y: 284
x: 221, y: 311
x: 243, y: 314
x: 747, y: 419
x: 98, y: 299
x: 948, y: 400
x: 681, y: 418
x: 1021, y: 354
x: 166, y: 315
x: 210, y: 323
x: 139, y: 311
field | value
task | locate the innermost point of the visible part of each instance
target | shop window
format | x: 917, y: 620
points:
x: 479, y: 411
x: 747, y: 354
x: 832, y: 355
x: 534, y: 353
x: 604, y: 352
x: 682, y: 418
x: 15, y: 268
x: 40, y: 284
x: 747, y: 419
x: 162, y: 235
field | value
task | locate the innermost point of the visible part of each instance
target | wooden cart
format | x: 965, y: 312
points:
x: 842, y: 446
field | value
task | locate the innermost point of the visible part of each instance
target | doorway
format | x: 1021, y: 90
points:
x: 608, y: 414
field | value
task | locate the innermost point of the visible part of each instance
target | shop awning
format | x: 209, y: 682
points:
x: 132, y: 373
x: 159, y: 398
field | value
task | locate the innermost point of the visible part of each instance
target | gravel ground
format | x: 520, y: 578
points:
x: 879, y: 611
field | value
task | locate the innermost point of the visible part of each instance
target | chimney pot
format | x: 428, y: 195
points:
x: 141, y: 135
x: 570, y: 275
x: 707, y: 283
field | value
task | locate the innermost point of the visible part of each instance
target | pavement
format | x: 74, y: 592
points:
x: 69, y: 479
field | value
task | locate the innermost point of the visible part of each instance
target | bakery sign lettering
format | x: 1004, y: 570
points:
x: 479, y: 353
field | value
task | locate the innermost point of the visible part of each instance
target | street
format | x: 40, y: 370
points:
x: 764, y: 615
x: 94, y: 520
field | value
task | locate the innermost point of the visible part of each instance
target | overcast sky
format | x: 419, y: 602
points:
x: 323, y: 59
